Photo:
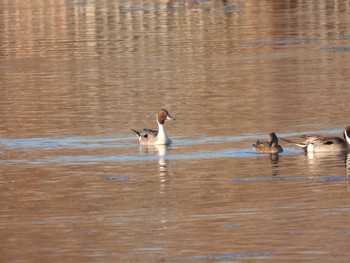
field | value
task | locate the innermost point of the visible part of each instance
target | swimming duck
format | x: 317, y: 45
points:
x: 319, y: 144
x: 152, y: 137
x: 268, y: 147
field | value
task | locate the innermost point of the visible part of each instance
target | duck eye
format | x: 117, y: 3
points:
x: 145, y: 136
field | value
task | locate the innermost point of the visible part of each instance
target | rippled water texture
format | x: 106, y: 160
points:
x: 76, y: 76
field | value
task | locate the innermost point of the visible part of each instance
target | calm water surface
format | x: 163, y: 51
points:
x: 75, y: 76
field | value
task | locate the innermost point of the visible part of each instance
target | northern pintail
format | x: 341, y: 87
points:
x: 320, y: 144
x: 152, y: 137
x: 270, y: 146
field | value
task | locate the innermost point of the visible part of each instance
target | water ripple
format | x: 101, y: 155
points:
x: 340, y: 48
x: 226, y: 256
x: 277, y: 42
x: 68, y: 142
x: 118, y: 178
x: 124, y: 142
x: 269, y: 179
x: 172, y: 9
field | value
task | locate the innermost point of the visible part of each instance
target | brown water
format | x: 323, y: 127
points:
x: 75, y: 76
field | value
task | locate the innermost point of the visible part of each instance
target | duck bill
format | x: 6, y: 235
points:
x: 170, y: 118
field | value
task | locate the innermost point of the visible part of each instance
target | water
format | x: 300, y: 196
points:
x: 75, y: 76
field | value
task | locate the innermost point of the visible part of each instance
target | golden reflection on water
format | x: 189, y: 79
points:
x: 102, y: 61
x: 75, y: 76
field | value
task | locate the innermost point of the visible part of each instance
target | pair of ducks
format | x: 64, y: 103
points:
x: 313, y: 143
x: 310, y: 143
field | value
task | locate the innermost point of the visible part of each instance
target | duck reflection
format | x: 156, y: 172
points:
x: 163, y: 162
x: 274, y: 162
x: 274, y: 157
x: 318, y: 162
x: 324, y: 157
x: 347, y: 169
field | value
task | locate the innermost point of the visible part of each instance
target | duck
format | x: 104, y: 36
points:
x: 270, y: 146
x: 323, y: 144
x: 153, y: 137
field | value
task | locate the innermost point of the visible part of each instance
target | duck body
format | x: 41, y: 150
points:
x: 325, y: 144
x: 320, y: 144
x: 153, y: 137
x: 270, y: 146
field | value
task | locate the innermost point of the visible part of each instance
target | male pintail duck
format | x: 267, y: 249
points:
x: 319, y: 144
x: 268, y: 147
x: 151, y: 137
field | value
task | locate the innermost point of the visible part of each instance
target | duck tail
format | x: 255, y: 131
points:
x: 256, y: 144
x: 286, y: 140
x: 299, y: 144
x: 138, y: 134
